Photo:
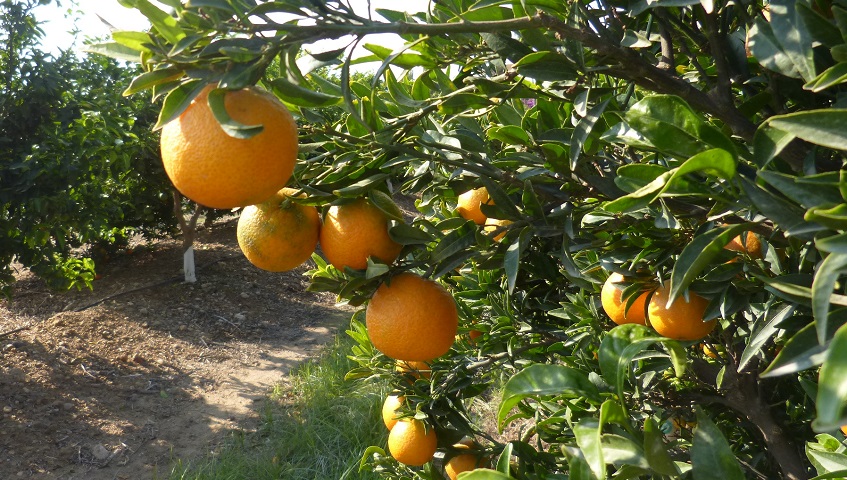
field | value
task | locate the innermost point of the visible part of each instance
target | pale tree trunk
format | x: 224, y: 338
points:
x: 189, y: 230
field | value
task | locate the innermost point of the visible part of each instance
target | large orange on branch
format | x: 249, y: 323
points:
x: 278, y: 234
x: 683, y: 319
x: 411, y: 443
x: 411, y: 318
x: 354, y: 231
x: 615, y: 308
x: 217, y: 170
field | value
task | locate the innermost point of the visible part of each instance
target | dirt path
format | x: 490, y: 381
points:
x: 120, y: 389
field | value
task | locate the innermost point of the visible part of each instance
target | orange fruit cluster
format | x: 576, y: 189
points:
x: 275, y: 231
x: 681, y: 320
x: 469, y: 207
x: 412, y: 443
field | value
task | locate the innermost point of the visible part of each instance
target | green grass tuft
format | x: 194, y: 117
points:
x: 316, y: 427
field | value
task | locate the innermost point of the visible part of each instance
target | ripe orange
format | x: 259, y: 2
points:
x: 469, y: 203
x: 844, y: 429
x: 753, y: 247
x: 610, y: 297
x: 473, y: 335
x: 278, y: 234
x: 412, y: 318
x: 460, y: 463
x: 492, y: 224
x: 219, y: 171
x: 682, y: 320
x: 389, y: 409
x: 354, y: 231
x: 415, y: 369
x: 411, y: 443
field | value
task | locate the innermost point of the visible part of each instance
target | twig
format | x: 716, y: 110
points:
x: 11, y: 332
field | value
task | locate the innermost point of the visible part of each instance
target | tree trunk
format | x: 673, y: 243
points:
x: 189, y: 231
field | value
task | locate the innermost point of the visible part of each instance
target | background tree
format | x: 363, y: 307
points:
x: 612, y: 136
x: 79, y: 161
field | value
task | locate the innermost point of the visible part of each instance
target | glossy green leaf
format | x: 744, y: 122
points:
x: 807, y: 194
x: 700, y: 253
x: 405, y: 234
x: 510, y: 135
x: 765, y: 332
x: 787, y: 215
x: 822, y: 290
x: 619, y: 347
x: 302, y: 97
x: 834, y: 244
x: 711, y: 456
x: 165, y: 24
x: 800, y: 352
x: 504, y: 460
x: 587, y: 432
x: 619, y: 450
x: 827, y: 462
x: 793, y: 36
x: 115, y: 50
x: 832, y: 388
x: 583, y: 130
x: 484, y: 474
x: 715, y: 161
x: 540, y: 379
x: 656, y: 451
x: 151, y: 79
x: 767, y: 48
x: 178, y: 100
x: 136, y: 41
x: 835, y: 75
x: 232, y: 127
x: 768, y: 143
x: 826, y: 127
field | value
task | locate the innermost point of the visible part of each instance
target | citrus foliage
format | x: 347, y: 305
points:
x: 629, y: 137
x: 79, y: 163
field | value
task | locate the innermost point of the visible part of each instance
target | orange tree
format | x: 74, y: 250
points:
x: 78, y: 163
x: 612, y: 136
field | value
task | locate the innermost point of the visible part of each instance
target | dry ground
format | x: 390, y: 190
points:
x: 117, y: 382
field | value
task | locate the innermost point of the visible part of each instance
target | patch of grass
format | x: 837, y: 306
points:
x: 316, y: 427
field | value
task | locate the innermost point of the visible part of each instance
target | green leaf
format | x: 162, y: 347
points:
x: 151, y: 79
x: 700, y: 253
x: 833, y: 244
x: 583, y: 130
x: 165, y: 24
x: 826, y: 461
x: 302, y: 97
x: 711, y: 456
x: 510, y: 135
x: 822, y: 289
x: 800, y: 352
x: 114, y: 50
x: 788, y: 216
x: 715, y: 161
x: 768, y: 143
x: 658, y: 458
x: 805, y: 193
x: 619, y: 451
x: 832, y: 388
x: 765, y: 332
x: 827, y: 127
x: 619, y: 347
x: 504, y: 461
x: 541, y: 379
x: 484, y: 474
x: 587, y: 433
x: 362, y: 186
x: 832, y: 76
x: 178, y: 100
x: 546, y: 66
x: 766, y: 47
x: 232, y: 127
x: 136, y: 41
x: 408, y: 235
x: 793, y: 36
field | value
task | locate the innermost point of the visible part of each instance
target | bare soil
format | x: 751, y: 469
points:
x: 119, y: 382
